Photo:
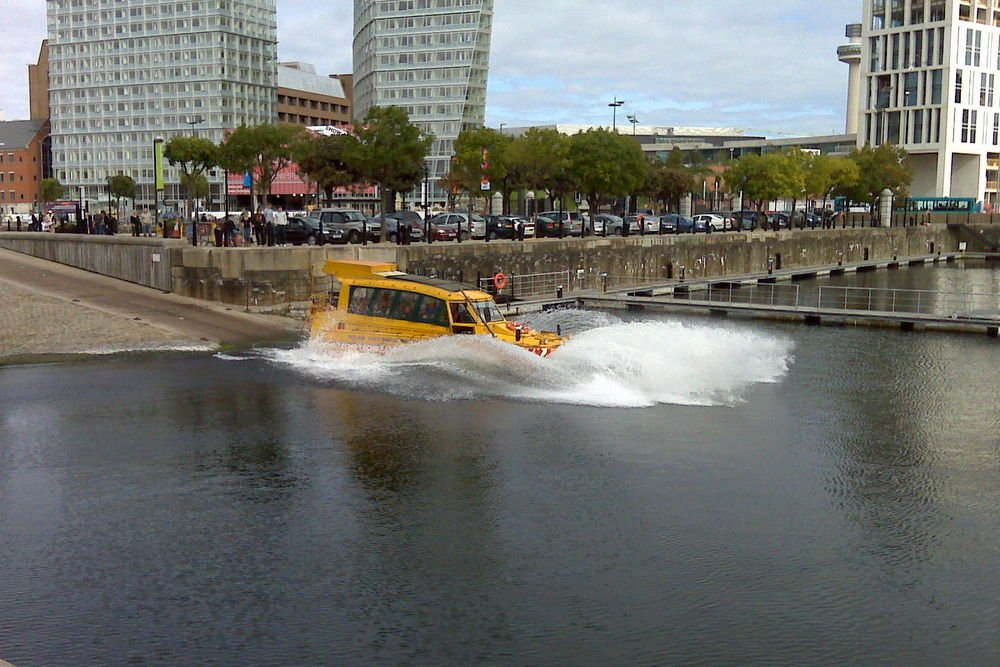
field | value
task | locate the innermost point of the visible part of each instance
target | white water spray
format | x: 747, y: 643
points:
x: 615, y: 364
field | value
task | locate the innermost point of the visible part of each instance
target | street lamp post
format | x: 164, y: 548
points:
x: 197, y: 120
x: 614, y: 113
x: 635, y: 199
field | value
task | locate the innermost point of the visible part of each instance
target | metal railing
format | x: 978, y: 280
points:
x: 910, y: 301
x: 520, y: 286
x: 764, y: 294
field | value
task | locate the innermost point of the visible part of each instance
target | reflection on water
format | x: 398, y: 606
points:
x: 787, y: 495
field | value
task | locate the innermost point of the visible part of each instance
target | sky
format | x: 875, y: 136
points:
x: 767, y: 66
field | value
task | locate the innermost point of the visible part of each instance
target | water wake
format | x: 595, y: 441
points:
x: 612, y: 364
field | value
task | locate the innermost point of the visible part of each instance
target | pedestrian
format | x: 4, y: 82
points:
x: 229, y: 232
x: 18, y: 220
x: 247, y: 227
x: 146, y: 221
x: 136, y: 224
x: 35, y: 223
x: 269, y: 224
x: 280, y: 225
x: 520, y: 229
x: 257, y: 220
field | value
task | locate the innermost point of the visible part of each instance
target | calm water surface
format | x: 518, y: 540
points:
x: 664, y: 491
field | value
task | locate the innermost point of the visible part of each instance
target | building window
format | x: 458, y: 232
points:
x: 937, y: 10
x: 918, y: 126
x: 910, y: 89
x: 918, y: 48
x: 878, y: 14
x: 937, y: 86
x: 958, y: 86
x: 917, y: 12
x: 896, y: 19
x: 996, y: 129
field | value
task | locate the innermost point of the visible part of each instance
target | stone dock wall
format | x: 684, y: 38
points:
x: 268, y: 278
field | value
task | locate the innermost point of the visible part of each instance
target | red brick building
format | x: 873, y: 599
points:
x: 24, y: 161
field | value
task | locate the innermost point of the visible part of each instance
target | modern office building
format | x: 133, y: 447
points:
x: 123, y: 73
x: 430, y: 57
x: 930, y: 70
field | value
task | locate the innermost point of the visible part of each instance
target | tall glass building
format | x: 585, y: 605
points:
x: 125, y: 72
x: 430, y: 57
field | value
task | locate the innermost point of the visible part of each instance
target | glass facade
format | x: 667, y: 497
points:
x: 124, y: 72
x: 430, y: 57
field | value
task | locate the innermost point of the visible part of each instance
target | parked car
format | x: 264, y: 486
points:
x: 650, y: 224
x: 311, y: 231
x: 471, y: 228
x: 501, y: 227
x: 352, y: 224
x: 393, y: 220
x: 546, y: 227
x: 573, y: 224
x: 529, y: 227
x: 690, y: 225
x: 606, y: 224
x: 713, y: 220
x: 673, y: 223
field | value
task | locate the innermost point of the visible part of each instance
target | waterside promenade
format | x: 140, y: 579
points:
x: 51, y: 309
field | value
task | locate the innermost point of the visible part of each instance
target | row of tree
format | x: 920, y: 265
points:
x: 387, y: 150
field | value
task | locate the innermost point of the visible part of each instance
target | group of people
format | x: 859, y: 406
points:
x: 265, y: 227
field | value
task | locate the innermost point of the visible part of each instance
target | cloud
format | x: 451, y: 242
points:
x: 758, y: 65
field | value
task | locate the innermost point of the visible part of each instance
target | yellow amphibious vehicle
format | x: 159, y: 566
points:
x: 377, y: 306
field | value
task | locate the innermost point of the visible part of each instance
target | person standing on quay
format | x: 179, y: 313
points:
x: 269, y: 224
x: 146, y: 220
x: 246, y: 226
x: 135, y: 223
x: 258, y: 227
x: 280, y: 225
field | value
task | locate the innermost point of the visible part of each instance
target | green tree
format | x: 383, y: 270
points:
x: 764, y: 178
x: 121, y: 187
x: 606, y: 164
x: 669, y: 180
x: 885, y: 167
x: 482, y: 145
x: 263, y: 151
x: 391, y: 152
x: 324, y: 160
x: 828, y: 174
x: 541, y: 160
x: 194, y: 156
x: 52, y: 189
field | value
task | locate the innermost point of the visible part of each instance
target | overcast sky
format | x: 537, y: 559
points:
x: 769, y: 67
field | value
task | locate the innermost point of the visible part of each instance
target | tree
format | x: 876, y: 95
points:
x: 767, y: 177
x: 669, y: 180
x: 263, y: 151
x: 885, y: 167
x: 52, y: 189
x: 194, y: 156
x: 828, y: 174
x: 324, y: 160
x: 477, y: 147
x: 540, y: 157
x: 605, y: 164
x: 391, y: 152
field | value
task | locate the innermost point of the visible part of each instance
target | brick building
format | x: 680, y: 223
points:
x: 24, y: 161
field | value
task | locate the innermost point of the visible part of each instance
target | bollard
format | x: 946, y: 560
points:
x: 604, y: 282
x: 770, y: 265
x: 559, y: 330
x: 683, y: 272
x: 559, y: 292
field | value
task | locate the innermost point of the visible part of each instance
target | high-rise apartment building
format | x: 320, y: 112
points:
x: 430, y: 57
x: 124, y: 72
x: 930, y: 70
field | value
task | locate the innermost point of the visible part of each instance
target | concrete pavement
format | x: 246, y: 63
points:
x: 178, y: 318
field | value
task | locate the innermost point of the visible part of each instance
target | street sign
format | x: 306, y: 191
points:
x: 485, y: 185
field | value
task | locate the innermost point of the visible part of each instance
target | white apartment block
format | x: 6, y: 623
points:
x: 430, y: 57
x: 124, y: 72
x: 930, y: 71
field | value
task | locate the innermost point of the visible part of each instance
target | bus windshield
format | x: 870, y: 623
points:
x: 488, y: 311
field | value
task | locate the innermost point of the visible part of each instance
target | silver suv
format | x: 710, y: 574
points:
x: 476, y: 230
x: 573, y: 222
x: 349, y: 222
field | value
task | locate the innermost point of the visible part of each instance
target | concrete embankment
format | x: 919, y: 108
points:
x: 49, y: 309
x: 275, y: 278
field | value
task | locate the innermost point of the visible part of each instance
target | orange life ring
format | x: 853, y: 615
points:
x: 500, y: 280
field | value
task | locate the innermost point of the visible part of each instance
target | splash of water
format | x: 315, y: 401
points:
x: 615, y: 364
